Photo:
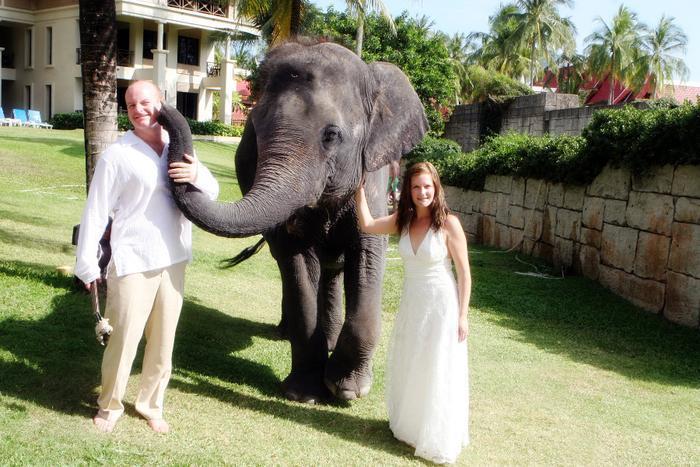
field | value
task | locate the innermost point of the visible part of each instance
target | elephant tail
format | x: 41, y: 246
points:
x: 243, y: 255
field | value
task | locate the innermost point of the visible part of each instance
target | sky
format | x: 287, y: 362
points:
x: 466, y: 16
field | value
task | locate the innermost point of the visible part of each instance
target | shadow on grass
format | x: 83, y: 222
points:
x: 71, y: 147
x: 19, y: 217
x: 578, y: 318
x: 54, y: 362
x: 35, y: 243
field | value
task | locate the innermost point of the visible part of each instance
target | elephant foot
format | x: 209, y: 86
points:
x: 307, y: 388
x: 348, y: 386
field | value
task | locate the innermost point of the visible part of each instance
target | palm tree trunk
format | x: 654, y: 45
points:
x: 360, y: 35
x: 98, y: 50
x: 532, y: 64
x: 295, y: 18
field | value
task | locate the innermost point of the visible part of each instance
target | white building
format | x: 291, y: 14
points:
x: 166, y: 41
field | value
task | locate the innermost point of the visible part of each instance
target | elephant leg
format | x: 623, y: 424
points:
x: 331, y: 304
x: 300, y: 279
x: 349, y: 369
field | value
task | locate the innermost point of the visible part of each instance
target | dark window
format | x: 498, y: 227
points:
x: 49, y: 98
x: 187, y: 50
x: 27, y: 96
x: 49, y: 46
x: 29, y: 53
x: 150, y: 41
x: 187, y: 104
x: 121, y: 98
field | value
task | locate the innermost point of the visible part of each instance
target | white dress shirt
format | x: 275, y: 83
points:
x: 149, y: 232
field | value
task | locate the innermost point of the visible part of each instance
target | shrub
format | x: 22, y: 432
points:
x: 67, y: 121
x: 634, y: 138
x: 123, y: 123
x: 214, y: 128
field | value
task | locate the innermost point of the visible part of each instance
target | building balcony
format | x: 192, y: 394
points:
x: 8, y: 59
x: 208, y: 7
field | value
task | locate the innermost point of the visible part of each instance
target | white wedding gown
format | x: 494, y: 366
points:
x: 427, y: 376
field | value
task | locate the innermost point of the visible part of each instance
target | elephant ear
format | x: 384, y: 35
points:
x: 397, y: 121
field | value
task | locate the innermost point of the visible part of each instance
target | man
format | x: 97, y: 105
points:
x: 151, y: 244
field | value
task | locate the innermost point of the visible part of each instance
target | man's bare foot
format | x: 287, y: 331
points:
x: 103, y: 425
x: 159, y: 425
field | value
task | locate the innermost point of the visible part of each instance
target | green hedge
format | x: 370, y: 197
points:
x: 629, y: 137
x: 73, y: 120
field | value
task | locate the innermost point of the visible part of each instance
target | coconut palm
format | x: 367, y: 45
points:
x: 98, y: 63
x: 662, y: 46
x: 541, y: 29
x: 359, y: 9
x: 613, y: 48
x: 499, y: 50
x: 460, y: 50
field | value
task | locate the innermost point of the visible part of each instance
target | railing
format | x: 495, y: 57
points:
x: 213, y: 69
x: 209, y: 7
x: 125, y: 57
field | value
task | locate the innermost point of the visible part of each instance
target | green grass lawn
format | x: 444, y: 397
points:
x: 562, y: 371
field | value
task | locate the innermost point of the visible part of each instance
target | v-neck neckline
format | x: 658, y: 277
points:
x: 410, y: 242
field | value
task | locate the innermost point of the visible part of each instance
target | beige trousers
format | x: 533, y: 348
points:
x: 149, y: 302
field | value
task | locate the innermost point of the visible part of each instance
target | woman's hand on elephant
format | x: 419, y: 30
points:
x: 185, y: 171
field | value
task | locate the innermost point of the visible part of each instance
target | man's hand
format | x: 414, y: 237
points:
x: 88, y: 286
x: 185, y: 171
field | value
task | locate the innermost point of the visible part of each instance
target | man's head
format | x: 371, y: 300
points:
x: 143, y: 104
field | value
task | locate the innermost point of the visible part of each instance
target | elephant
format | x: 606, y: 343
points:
x: 325, y: 122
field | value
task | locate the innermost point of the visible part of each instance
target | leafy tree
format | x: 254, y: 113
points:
x: 421, y: 54
x: 540, y: 28
x: 483, y: 85
x: 359, y: 9
x: 613, y: 48
x: 662, y: 45
x: 500, y: 50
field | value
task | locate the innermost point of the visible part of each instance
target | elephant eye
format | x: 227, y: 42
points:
x: 331, y: 136
x: 294, y: 75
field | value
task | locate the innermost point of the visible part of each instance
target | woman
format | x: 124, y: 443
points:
x: 427, y: 392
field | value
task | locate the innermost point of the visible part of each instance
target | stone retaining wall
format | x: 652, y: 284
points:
x: 637, y: 236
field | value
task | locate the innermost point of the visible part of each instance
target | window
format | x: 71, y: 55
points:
x: 49, y: 45
x: 28, y: 96
x: 187, y: 104
x: 49, y: 101
x: 29, y: 47
x: 187, y: 50
x: 150, y: 41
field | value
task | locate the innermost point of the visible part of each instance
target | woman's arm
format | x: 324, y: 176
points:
x: 367, y: 224
x: 457, y: 245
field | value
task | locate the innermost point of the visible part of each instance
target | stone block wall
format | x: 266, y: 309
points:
x: 637, y: 236
x: 464, y: 126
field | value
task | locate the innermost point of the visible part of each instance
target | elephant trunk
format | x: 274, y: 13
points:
x: 267, y: 204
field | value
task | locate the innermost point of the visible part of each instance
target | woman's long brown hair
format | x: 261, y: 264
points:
x: 407, y: 211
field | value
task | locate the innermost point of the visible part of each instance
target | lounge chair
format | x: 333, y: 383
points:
x: 21, y: 115
x: 8, y: 121
x: 35, y: 118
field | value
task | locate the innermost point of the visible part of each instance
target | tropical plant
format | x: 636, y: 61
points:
x: 613, y: 48
x: 541, y: 30
x: 499, y: 50
x: 483, y: 85
x: 98, y: 63
x: 460, y: 50
x: 662, y: 44
x: 358, y: 9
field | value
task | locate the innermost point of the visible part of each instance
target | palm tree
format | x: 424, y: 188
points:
x: 662, y: 44
x: 359, y: 9
x: 613, y: 48
x: 279, y: 20
x: 541, y: 29
x: 460, y: 50
x: 98, y: 63
x: 499, y: 50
